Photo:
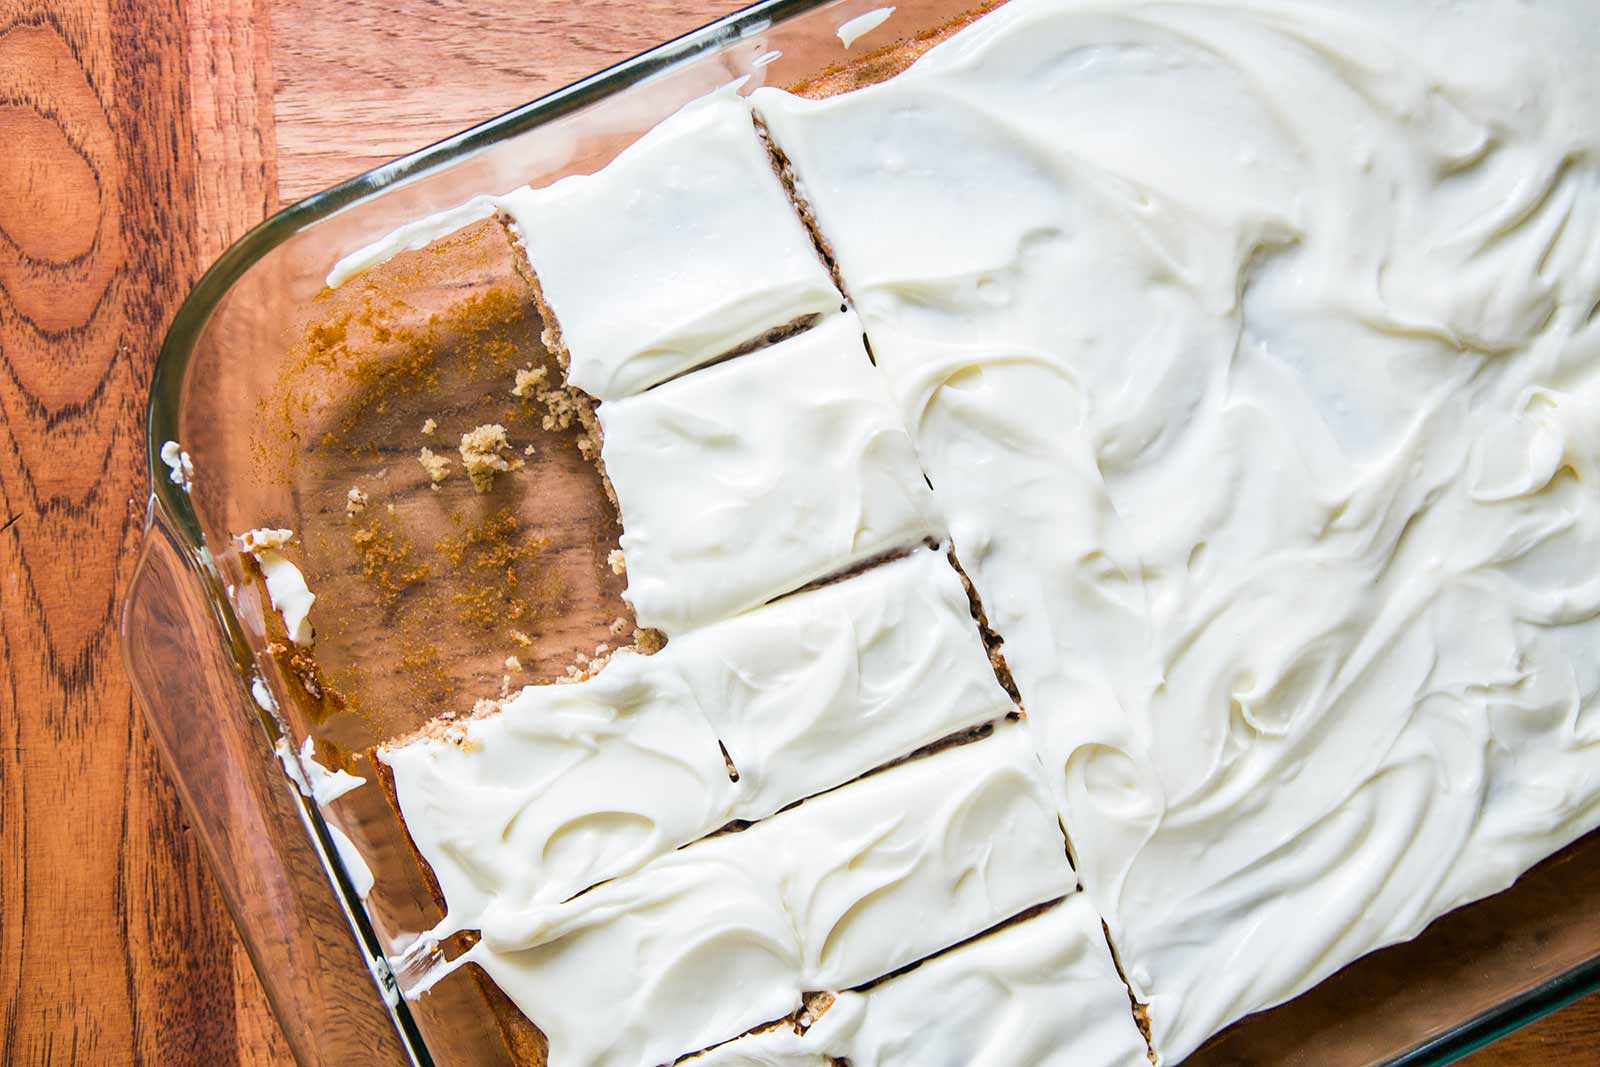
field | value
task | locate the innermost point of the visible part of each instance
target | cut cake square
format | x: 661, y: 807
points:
x: 690, y: 231
x: 748, y: 479
x: 1039, y: 992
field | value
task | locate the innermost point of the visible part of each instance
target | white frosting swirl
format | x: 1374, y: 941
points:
x: 1250, y: 351
x: 746, y: 480
x: 568, y: 785
x: 680, y: 250
x: 1039, y: 993
x: 286, y: 585
x: 818, y: 688
x: 725, y: 934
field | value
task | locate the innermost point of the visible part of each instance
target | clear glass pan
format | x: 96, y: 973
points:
x: 195, y: 635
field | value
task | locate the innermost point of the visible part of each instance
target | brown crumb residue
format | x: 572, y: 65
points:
x: 387, y: 560
x: 302, y: 666
x: 369, y: 349
x: 486, y: 560
x: 420, y: 657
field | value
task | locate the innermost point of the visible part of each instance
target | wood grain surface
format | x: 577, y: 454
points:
x: 137, y: 139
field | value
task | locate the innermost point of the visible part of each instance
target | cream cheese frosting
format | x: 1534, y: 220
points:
x: 748, y: 479
x: 291, y: 597
x: 817, y: 688
x: 180, y: 468
x: 414, y: 235
x: 713, y: 939
x: 564, y: 786
x: 323, y: 787
x: 1248, y: 348
x: 1043, y: 992
x: 682, y: 249
x: 569, y: 785
x: 852, y: 30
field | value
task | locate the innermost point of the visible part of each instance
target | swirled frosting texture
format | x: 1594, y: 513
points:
x: 725, y: 934
x: 564, y: 786
x: 744, y: 481
x: 1250, y: 349
x: 569, y: 785
x: 1040, y: 993
x: 681, y: 249
x: 819, y: 688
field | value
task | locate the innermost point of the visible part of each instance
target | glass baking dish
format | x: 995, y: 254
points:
x: 286, y: 397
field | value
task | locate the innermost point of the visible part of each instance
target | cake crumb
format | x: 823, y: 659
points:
x: 561, y: 407
x: 264, y: 539
x: 437, y: 466
x: 649, y: 642
x: 528, y: 382
x: 513, y: 663
x: 601, y: 649
x: 619, y: 626
x: 428, y: 426
x: 528, y: 451
x: 355, y: 502
x: 619, y: 565
x: 813, y: 1008
x: 483, y: 454
x: 522, y: 639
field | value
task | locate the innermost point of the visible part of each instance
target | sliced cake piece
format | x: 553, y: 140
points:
x: 564, y: 786
x: 749, y: 479
x: 1043, y: 992
x: 568, y: 785
x: 682, y: 249
x: 818, y: 688
x: 721, y: 936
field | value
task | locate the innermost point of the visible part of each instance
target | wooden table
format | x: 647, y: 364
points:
x: 137, y: 139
